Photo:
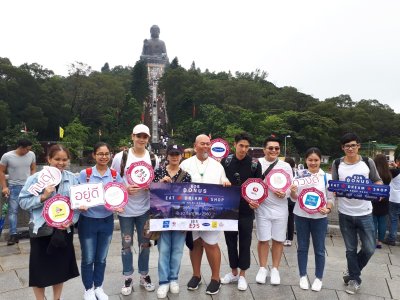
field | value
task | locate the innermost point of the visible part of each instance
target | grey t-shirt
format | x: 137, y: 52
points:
x: 18, y: 167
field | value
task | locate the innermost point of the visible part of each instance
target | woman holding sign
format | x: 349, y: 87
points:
x: 170, y: 244
x: 96, y: 225
x: 52, y: 258
x: 313, y: 204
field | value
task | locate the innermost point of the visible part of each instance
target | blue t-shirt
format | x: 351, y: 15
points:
x: 98, y: 211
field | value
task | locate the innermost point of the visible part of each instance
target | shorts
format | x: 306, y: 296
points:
x: 209, y: 237
x: 267, y: 228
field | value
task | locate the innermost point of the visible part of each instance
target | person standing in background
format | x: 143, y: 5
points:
x: 290, y: 221
x: 19, y: 164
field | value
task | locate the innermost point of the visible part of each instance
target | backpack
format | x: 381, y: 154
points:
x: 337, y: 163
x: 125, y: 158
x: 90, y: 170
x: 254, y: 163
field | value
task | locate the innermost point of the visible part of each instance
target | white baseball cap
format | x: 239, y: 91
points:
x: 141, y: 128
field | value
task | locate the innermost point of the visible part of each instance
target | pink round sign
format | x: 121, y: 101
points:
x: 57, y: 211
x: 278, y: 180
x: 219, y: 149
x: 311, y: 200
x: 140, y: 173
x: 115, y: 195
x: 254, y: 190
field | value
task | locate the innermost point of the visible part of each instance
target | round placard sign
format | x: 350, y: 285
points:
x: 311, y: 200
x: 219, y: 149
x: 254, y: 190
x: 140, y: 173
x: 57, y: 211
x: 115, y: 195
x: 278, y: 180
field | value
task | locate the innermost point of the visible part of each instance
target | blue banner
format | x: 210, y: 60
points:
x: 193, y: 206
x: 359, y: 187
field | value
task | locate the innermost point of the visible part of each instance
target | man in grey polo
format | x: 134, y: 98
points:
x: 19, y: 164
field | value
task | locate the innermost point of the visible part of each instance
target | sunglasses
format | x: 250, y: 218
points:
x: 273, y: 148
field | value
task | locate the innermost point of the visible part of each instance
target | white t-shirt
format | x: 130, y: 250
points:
x: 213, y: 172
x: 274, y: 207
x: 320, y: 182
x: 139, y: 203
x: 395, y: 189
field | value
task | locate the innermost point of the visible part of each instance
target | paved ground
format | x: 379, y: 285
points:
x: 381, y: 278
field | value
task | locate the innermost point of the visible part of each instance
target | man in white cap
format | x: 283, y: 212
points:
x: 204, y: 169
x: 136, y: 212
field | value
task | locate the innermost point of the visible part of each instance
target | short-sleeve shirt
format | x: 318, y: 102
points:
x: 18, y: 167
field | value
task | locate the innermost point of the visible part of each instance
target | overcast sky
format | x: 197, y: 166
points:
x: 323, y: 48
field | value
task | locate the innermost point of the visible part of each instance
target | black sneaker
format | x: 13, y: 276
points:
x: 389, y: 242
x: 13, y: 239
x: 213, y: 287
x: 194, y: 283
x: 346, y: 277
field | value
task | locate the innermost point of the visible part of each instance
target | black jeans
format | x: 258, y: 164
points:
x: 240, y: 258
x: 290, y: 221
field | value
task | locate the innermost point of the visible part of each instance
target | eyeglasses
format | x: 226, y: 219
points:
x: 103, y: 154
x: 273, y: 148
x: 352, y: 146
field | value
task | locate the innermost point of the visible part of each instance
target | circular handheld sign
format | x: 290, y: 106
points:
x: 278, y: 180
x: 115, y: 195
x: 311, y: 200
x: 57, y: 211
x: 140, y: 173
x: 254, y: 190
x: 219, y: 149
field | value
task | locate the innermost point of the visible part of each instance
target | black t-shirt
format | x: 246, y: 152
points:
x: 238, y: 171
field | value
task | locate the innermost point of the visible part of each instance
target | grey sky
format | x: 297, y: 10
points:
x: 323, y: 48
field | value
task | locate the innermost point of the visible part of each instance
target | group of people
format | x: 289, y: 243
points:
x: 50, y: 247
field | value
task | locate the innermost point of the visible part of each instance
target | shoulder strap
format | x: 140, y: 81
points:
x: 269, y: 169
x: 88, y: 174
x: 337, y: 163
x: 366, y: 160
x: 123, y: 162
x: 181, y: 176
x: 113, y: 174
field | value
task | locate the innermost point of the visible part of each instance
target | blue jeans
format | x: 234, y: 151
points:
x: 316, y: 228
x: 127, y: 225
x: 170, y: 248
x: 13, y: 207
x: 95, y: 237
x: 351, y: 228
x: 394, y: 213
x: 380, y: 227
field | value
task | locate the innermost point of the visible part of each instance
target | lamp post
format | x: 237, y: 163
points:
x: 286, y: 136
x: 370, y: 149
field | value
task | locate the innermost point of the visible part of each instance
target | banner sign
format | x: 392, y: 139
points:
x: 254, y: 190
x: 219, y: 149
x: 311, y: 200
x: 57, y: 211
x: 311, y: 179
x: 87, y: 194
x: 278, y: 180
x: 140, y: 173
x: 46, y: 177
x: 358, y: 187
x: 194, y: 207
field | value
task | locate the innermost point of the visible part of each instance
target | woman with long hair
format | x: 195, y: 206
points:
x: 312, y: 225
x: 52, y: 258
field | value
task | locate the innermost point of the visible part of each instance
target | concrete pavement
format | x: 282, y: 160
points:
x: 381, y: 278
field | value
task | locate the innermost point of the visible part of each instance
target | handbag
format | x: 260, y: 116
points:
x: 44, y: 230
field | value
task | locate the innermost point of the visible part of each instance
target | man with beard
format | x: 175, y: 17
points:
x: 204, y: 169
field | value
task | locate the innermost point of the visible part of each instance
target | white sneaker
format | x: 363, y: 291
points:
x: 89, y: 295
x: 317, y: 285
x: 304, y: 285
x: 162, y: 291
x: 174, y: 287
x: 287, y: 243
x: 126, y: 289
x: 145, y: 282
x: 242, y: 283
x: 275, y: 278
x: 262, y: 275
x: 229, y: 278
x: 99, y: 292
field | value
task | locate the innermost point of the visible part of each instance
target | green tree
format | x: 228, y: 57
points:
x: 75, y: 138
